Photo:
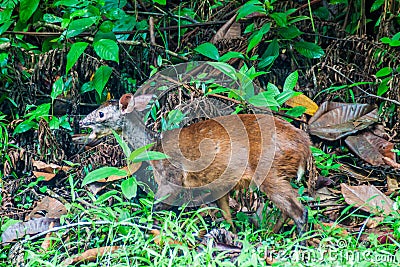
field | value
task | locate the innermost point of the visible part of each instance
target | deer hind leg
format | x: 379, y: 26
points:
x: 223, y: 204
x: 286, y: 199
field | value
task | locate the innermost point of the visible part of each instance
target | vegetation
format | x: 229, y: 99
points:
x: 80, y: 202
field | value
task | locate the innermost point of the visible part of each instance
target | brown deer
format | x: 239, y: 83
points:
x: 216, y: 156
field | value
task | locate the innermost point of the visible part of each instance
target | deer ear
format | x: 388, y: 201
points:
x: 141, y: 101
x: 127, y: 102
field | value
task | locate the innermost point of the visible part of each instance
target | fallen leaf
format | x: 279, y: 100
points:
x: 304, y: 101
x: 157, y: 238
x: 374, y: 221
x: 392, y: 185
x: 336, y: 120
x: 90, y: 255
x: 371, y: 148
x: 49, y: 168
x: 48, y: 207
x: 229, y: 30
x: 47, y: 176
x: 367, y: 198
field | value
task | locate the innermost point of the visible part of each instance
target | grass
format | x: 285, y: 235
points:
x: 126, y: 225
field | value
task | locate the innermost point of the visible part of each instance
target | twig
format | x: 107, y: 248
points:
x: 362, y: 90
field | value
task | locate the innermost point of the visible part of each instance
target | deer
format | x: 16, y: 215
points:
x: 217, y: 155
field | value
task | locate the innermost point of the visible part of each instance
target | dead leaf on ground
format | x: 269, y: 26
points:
x: 392, y: 185
x: 304, y: 101
x: 336, y: 120
x: 48, y: 167
x: 371, y: 148
x: 157, y: 238
x: 19, y: 230
x: 322, y: 226
x: 368, y: 198
x: 229, y: 30
x: 48, y: 207
x: 90, y: 255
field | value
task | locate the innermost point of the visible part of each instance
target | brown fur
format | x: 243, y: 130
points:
x: 239, y: 146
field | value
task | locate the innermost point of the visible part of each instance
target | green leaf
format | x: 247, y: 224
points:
x: 250, y: 8
x: 139, y: 151
x: 264, y: 99
x: 107, y: 49
x: 296, y: 111
x: 291, y: 81
x: 309, y: 50
x: 376, y: 5
x: 74, y: 53
x: 27, y: 8
x: 25, y: 126
x: 285, y: 96
x: 102, y: 173
x: 231, y: 54
x: 69, y: 3
x: 257, y: 37
x: 57, y: 88
x: 150, y: 155
x: 122, y: 143
x: 280, y: 19
x: 129, y: 187
x: 225, y: 68
x: 51, y: 18
x: 383, y: 86
x: 209, y: 50
x: 78, y: 26
x: 101, y: 78
x: 161, y: 2
x: 273, y: 89
x: 290, y: 32
x: 40, y: 111
x: 384, y: 72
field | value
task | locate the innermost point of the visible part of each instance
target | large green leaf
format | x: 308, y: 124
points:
x: 290, y: 81
x: 101, y: 78
x: 129, y: 187
x: 257, y: 37
x: 27, y: 8
x: 309, y: 50
x: 102, y: 173
x: 249, y: 8
x: 107, y: 49
x: 150, y: 155
x: 78, y: 26
x: 208, y: 50
x: 74, y: 53
x: 264, y: 99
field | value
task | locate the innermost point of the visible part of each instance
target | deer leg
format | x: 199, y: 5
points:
x: 285, y: 198
x: 223, y: 204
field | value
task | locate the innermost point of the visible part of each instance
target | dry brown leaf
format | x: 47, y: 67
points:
x: 48, y: 207
x: 392, y: 185
x: 49, y: 168
x: 304, y: 101
x: 336, y: 120
x: 371, y: 148
x: 157, y: 238
x: 90, y: 255
x: 374, y: 221
x: 322, y: 225
x: 47, y: 176
x: 229, y: 30
x: 367, y: 198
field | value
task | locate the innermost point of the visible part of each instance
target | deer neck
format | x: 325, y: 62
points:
x: 135, y: 131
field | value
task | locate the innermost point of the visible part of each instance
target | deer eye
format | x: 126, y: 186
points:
x: 101, y: 114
